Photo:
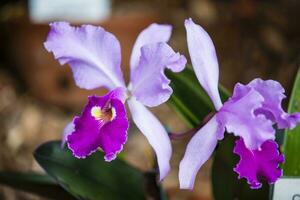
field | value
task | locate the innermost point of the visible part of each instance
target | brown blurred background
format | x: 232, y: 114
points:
x: 253, y: 38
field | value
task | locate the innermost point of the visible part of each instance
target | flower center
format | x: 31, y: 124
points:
x: 96, y: 112
x: 105, y: 115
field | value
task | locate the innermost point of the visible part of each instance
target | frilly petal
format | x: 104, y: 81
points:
x: 155, y: 133
x: 273, y: 94
x: 92, y: 132
x: 149, y: 84
x: 93, y: 54
x: 198, y: 151
x: 204, y: 60
x: 237, y: 115
x: 113, y: 135
x: 154, y: 33
x: 256, y: 164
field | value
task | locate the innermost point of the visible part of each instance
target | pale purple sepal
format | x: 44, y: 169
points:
x: 93, y: 54
x: 67, y: 131
x: 257, y: 164
x: 238, y: 116
x: 273, y: 94
x: 107, y: 131
x: 204, y: 60
x: 198, y: 151
x: 149, y: 84
x: 155, y: 133
x: 154, y: 33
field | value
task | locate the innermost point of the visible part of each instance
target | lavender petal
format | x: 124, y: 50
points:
x: 204, y: 60
x: 273, y: 94
x: 198, y: 151
x: 70, y: 127
x: 149, y: 84
x: 154, y: 33
x: 237, y: 115
x: 155, y: 133
x: 93, y: 54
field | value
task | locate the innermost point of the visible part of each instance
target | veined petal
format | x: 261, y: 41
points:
x: 114, y: 134
x: 204, y: 60
x: 154, y: 33
x: 198, y: 151
x: 102, y: 124
x: 238, y: 116
x: 155, y: 133
x: 258, y: 163
x: 149, y: 84
x: 93, y: 54
x: 273, y: 94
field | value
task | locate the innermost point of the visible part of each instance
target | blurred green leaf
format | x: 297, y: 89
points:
x: 291, y: 146
x: 193, y: 104
x: 91, y: 178
x: 42, y: 185
x: 189, y: 99
x: 153, y: 189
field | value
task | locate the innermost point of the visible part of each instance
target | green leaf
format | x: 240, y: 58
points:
x: 291, y: 146
x: 153, y: 189
x: 42, y: 185
x: 91, y: 178
x: 189, y: 99
x: 193, y: 104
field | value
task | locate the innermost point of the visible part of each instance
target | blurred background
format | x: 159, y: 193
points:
x: 253, y: 38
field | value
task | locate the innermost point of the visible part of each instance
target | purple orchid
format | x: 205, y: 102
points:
x: 250, y: 114
x: 95, y: 57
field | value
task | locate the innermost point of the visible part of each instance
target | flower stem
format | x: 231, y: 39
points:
x: 179, y: 136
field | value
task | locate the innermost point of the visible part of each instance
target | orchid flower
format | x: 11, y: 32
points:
x: 249, y: 114
x: 94, y: 56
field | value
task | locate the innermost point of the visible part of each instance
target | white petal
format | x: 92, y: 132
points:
x: 152, y: 34
x: 93, y: 54
x: 198, y: 151
x: 155, y: 133
x: 67, y: 131
x: 204, y: 60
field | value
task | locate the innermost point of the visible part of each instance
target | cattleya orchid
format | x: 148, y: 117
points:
x: 250, y: 114
x: 94, y: 56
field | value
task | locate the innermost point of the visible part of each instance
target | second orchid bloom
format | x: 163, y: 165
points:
x: 95, y: 57
x: 250, y: 114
